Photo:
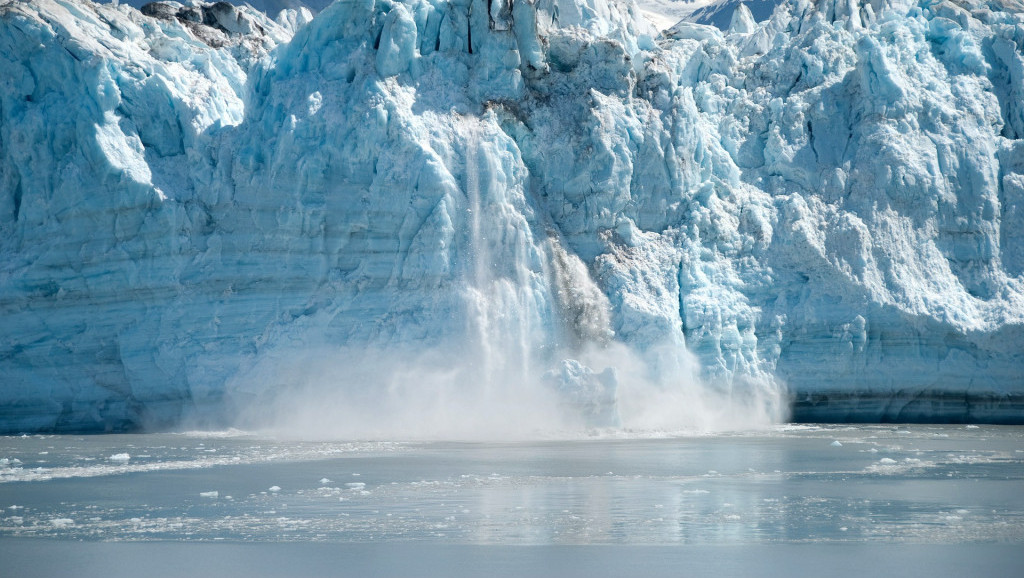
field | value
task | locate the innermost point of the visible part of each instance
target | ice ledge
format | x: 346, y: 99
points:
x: 931, y: 406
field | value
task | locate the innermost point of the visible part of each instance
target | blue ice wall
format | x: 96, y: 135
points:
x: 823, y: 207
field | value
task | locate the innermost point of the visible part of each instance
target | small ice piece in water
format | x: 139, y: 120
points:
x: 212, y: 494
x: 62, y: 522
x: 325, y: 481
x: 836, y: 444
x: 123, y: 458
x: 887, y: 461
x: 274, y: 489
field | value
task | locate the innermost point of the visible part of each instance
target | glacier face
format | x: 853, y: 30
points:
x: 503, y: 213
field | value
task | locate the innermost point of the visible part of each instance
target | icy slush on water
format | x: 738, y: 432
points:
x: 792, y: 484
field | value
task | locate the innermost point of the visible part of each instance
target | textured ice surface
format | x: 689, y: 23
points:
x: 663, y: 13
x: 272, y: 8
x: 428, y: 202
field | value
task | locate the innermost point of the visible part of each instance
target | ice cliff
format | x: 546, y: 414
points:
x: 512, y: 208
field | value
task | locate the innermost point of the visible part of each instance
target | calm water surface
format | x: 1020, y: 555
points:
x: 928, y: 495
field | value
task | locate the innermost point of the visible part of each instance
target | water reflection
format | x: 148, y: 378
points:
x: 923, y: 484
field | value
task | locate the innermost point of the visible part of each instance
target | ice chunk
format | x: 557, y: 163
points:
x: 397, y: 51
x: 742, y: 21
x: 584, y: 392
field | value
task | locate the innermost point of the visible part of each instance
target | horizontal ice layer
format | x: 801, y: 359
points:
x: 107, y: 120
x: 192, y: 217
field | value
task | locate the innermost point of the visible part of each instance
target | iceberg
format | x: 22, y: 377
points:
x: 435, y: 217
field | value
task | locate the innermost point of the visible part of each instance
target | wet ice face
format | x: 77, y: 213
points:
x: 799, y: 201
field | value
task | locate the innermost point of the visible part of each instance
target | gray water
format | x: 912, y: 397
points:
x: 938, y: 498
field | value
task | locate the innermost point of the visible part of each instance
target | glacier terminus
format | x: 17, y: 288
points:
x: 439, y: 217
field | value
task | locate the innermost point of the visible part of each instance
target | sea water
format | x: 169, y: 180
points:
x: 947, y: 500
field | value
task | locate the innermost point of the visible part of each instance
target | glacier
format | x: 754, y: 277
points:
x: 431, y: 217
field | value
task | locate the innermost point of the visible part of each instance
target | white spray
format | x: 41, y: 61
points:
x: 537, y: 356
